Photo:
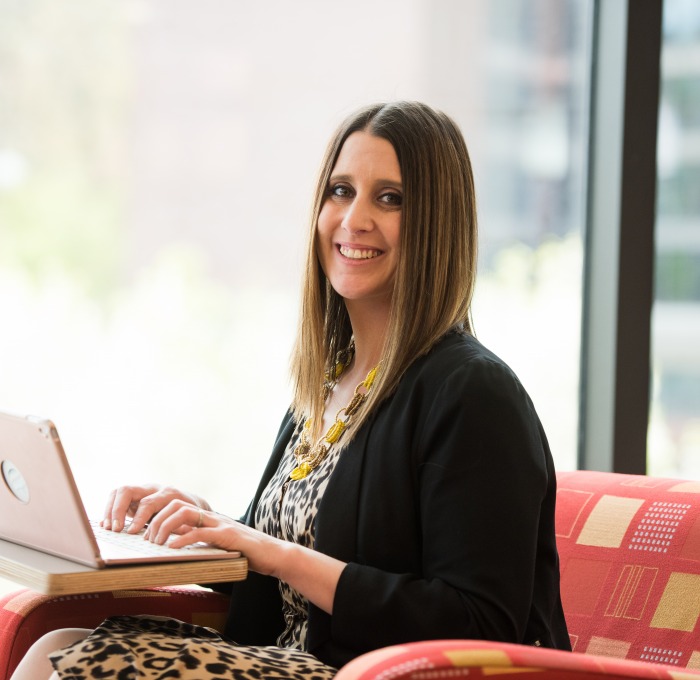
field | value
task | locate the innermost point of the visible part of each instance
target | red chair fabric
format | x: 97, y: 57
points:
x: 454, y: 659
x: 630, y: 566
x: 26, y: 615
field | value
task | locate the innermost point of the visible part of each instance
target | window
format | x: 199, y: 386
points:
x: 156, y: 166
x: 674, y: 431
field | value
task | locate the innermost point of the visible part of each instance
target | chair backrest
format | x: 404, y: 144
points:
x: 630, y: 565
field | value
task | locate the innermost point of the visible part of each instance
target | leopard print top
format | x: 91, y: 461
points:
x: 287, y: 510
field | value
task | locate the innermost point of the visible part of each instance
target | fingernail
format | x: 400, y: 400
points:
x: 106, y: 524
x: 116, y: 525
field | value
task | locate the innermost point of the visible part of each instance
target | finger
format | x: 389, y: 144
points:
x: 175, y: 518
x: 186, y: 528
x: 153, y: 503
x: 128, y: 501
x: 107, y: 517
x: 183, y: 529
x: 194, y: 535
x: 157, y: 520
x: 145, y: 511
x: 124, y: 498
x: 219, y: 535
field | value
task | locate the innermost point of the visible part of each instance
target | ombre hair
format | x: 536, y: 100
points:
x: 436, y: 269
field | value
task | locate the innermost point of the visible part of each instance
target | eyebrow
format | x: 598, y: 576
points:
x: 382, y: 182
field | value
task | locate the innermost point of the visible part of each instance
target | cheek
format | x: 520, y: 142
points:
x: 324, y: 226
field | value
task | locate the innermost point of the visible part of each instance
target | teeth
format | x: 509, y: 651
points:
x: 354, y: 254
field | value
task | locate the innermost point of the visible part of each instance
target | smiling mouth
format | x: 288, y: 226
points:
x: 358, y: 253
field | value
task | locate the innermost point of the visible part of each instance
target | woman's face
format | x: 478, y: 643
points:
x: 359, y: 223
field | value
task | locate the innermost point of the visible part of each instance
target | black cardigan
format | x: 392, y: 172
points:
x: 443, y: 507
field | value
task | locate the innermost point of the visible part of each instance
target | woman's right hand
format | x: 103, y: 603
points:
x: 141, y: 503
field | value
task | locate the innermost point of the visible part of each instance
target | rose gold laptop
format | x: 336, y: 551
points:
x: 40, y: 506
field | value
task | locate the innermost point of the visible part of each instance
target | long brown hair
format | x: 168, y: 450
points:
x: 436, y: 269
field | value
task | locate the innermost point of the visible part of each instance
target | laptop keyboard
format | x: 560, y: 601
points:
x: 123, y: 544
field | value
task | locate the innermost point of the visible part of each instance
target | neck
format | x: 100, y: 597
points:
x: 369, y: 328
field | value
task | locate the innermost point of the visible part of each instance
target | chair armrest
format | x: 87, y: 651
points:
x: 454, y: 659
x: 26, y: 615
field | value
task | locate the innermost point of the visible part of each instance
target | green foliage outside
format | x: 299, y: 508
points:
x: 62, y: 111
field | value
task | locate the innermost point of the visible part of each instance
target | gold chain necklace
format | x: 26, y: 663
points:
x: 310, y: 457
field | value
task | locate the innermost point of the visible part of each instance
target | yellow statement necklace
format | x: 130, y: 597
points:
x: 310, y: 457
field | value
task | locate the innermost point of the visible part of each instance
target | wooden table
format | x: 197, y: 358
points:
x: 56, y: 576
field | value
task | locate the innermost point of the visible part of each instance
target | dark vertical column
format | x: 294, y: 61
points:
x: 618, y: 286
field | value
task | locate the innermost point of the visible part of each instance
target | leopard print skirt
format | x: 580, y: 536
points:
x: 131, y: 647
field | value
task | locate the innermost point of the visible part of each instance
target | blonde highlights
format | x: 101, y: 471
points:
x: 436, y: 270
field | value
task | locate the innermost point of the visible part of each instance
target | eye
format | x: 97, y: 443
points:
x: 391, y: 198
x: 339, y: 191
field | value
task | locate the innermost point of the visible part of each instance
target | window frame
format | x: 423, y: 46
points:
x: 619, y: 237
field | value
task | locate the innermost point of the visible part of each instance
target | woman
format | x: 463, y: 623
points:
x: 410, y: 494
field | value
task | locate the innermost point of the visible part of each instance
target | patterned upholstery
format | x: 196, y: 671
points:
x: 25, y: 615
x: 456, y: 659
x: 630, y: 565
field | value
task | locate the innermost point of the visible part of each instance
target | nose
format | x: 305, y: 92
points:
x: 358, y: 216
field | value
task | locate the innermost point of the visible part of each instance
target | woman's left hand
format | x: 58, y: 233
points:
x: 192, y: 524
x: 311, y: 573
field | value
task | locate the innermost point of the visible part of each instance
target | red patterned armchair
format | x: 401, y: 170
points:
x: 26, y: 615
x: 630, y: 565
x: 630, y: 579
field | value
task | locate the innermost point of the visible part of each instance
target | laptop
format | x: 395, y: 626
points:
x: 41, y: 508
